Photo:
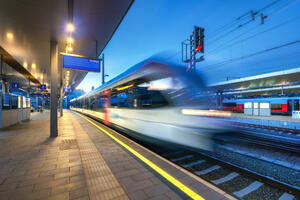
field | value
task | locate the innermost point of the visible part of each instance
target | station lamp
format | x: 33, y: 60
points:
x: 70, y: 40
x: 69, y: 48
x: 25, y: 64
x: 9, y: 35
x: 70, y: 27
x: 33, y: 65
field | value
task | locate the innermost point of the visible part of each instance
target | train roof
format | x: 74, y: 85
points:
x: 139, y: 70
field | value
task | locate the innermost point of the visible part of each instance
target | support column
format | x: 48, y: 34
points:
x: 61, y: 100
x: 61, y: 90
x: 54, y: 92
x: 1, y: 93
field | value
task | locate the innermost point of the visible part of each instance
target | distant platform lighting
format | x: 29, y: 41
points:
x: 70, y: 40
x: 9, y: 35
x: 70, y: 27
x: 33, y: 65
x: 25, y: 64
x: 70, y: 49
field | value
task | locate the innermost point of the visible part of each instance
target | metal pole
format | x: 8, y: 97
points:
x: 103, y: 73
x: 61, y: 100
x: 53, y: 107
x: 1, y: 70
x: 1, y: 62
x: 61, y: 91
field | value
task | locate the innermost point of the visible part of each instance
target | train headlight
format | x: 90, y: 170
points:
x: 208, y: 113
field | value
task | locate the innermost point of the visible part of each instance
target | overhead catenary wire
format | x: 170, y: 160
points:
x: 251, y: 14
x: 209, y: 67
x: 225, y: 45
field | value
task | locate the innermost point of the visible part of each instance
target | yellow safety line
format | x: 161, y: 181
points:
x: 166, y: 175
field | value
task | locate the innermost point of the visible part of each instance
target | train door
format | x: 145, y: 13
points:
x: 296, y: 105
x: 289, y: 106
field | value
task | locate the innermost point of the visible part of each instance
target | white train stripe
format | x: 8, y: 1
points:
x: 286, y: 196
x: 208, y: 170
x: 194, y: 163
x: 225, y: 178
x: 250, y: 188
x: 182, y: 158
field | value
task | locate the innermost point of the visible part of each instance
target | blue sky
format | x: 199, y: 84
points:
x: 159, y: 27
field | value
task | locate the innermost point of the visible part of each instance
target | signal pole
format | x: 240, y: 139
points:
x: 196, y: 47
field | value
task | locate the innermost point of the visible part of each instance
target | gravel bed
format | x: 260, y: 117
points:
x: 216, y: 174
x: 280, y: 173
x: 177, y: 155
x: 264, y: 192
x: 201, y: 166
x: 187, y: 161
x: 236, y: 184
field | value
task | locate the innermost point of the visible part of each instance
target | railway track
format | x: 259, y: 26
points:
x: 239, y: 181
x: 262, y: 138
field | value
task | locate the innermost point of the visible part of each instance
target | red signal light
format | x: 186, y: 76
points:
x: 199, y: 48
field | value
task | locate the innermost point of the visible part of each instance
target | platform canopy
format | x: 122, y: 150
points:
x: 27, y: 26
x: 269, y: 83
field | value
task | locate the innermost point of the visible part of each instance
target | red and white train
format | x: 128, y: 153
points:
x: 279, y: 105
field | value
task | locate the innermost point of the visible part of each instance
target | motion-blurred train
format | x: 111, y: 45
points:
x: 278, y: 105
x: 155, y: 100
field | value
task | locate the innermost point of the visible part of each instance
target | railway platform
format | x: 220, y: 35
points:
x: 285, y: 123
x: 89, y: 161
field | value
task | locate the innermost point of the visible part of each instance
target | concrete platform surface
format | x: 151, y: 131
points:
x: 279, y: 121
x: 84, y: 162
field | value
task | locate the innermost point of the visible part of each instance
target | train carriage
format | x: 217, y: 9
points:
x: 155, y: 100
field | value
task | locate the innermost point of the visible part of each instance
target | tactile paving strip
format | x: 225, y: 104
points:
x: 101, y: 182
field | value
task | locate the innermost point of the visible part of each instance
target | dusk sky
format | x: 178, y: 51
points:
x: 159, y: 27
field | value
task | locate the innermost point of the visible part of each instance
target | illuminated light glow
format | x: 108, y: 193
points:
x: 70, y: 40
x: 33, y: 65
x: 199, y: 48
x: 9, y: 35
x: 166, y: 175
x: 209, y: 113
x: 25, y: 64
x: 70, y: 49
x: 70, y: 27
x: 125, y: 87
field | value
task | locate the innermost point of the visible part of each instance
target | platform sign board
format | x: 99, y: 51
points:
x: 15, y: 85
x: 81, y: 63
x: 43, y: 86
x: 69, y: 90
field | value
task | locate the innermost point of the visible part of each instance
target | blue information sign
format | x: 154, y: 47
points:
x: 80, y: 63
x: 68, y: 90
x: 43, y: 87
x: 15, y: 85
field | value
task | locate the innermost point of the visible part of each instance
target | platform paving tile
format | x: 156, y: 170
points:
x: 129, y: 170
x: 35, y: 166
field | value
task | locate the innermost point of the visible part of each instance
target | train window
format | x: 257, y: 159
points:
x: 276, y: 106
x: 296, y: 104
x: 125, y: 100
x: 229, y: 104
x: 92, y: 103
x: 114, y: 100
x: 264, y: 105
x: 248, y: 105
x: 152, y: 99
